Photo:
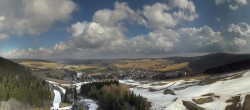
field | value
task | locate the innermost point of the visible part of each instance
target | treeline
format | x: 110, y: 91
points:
x: 69, y: 94
x: 231, y: 67
x: 113, y: 96
x: 17, y: 83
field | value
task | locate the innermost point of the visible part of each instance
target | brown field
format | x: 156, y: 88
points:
x: 53, y: 65
x: 144, y: 64
x: 203, y: 100
x: 38, y: 64
x: 174, y: 67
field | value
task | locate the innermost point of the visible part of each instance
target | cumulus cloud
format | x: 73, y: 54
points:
x: 158, y: 15
x: 121, y: 12
x: 197, y: 39
x: 106, y: 38
x: 157, y: 42
x: 161, y: 15
x: 33, y: 16
x: 93, y: 35
x: 232, y: 4
x: 243, y: 29
x: 237, y: 37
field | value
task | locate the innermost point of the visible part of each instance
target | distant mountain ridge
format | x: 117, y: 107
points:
x: 35, y: 60
x: 201, y: 64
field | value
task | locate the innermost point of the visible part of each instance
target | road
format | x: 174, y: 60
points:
x: 57, y: 99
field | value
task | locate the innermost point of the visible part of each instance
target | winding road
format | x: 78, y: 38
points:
x: 57, y: 100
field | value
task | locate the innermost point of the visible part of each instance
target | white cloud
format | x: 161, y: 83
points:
x: 160, y: 15
x: 93, y: 35
x: 243, y: 29
x: 33, y: 16
x: 217, y: 19
x: 28, y: 53
x: 238, y: 37
x: 233, y: 7
x: 60, y: 47
x: 159, y: 41
x: 232, y: 4
x: 2, y: 18
x: 241, y: 2
x: 105, y: 36
x: 193, y: 39
x: 121, y: 12
x: 239, y: 42
x: 217, y: 2
x: 155, y: 43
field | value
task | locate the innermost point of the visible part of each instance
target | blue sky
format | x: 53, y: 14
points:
x: 122, y: 29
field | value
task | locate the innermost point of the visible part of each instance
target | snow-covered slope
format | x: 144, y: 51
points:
x: 218, y: 91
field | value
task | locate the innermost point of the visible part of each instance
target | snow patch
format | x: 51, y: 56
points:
x: 91, y: 104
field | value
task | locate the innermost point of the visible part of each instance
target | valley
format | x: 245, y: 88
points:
x: 167, y: 83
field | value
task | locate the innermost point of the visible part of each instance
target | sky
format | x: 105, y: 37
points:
x: 94, y: 29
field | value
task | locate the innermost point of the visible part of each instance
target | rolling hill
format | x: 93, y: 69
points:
x: 17, y: 83
x: 206, y: 63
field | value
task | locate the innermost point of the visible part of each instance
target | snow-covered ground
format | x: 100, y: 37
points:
x: 91, y: 104
x: 57, y: 85
x: 223, y: 89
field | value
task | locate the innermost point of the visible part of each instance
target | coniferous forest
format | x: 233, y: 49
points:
x: 113, y: 96
x: 16, y: 82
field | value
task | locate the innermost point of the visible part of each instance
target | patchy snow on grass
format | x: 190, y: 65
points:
x: 130, y: 82
x: 223, y: 89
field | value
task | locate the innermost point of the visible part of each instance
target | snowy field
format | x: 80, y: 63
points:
x: 218, y: 89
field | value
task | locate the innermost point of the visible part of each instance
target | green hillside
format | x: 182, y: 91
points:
x: 16, y: 82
